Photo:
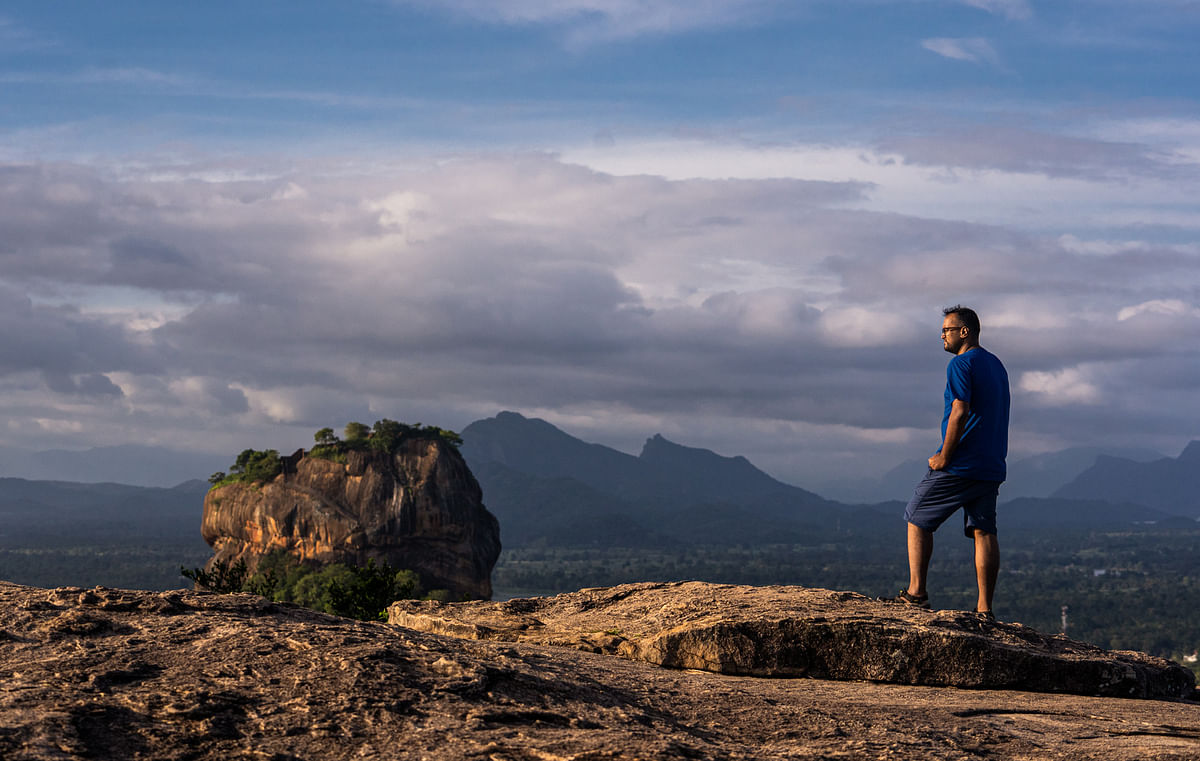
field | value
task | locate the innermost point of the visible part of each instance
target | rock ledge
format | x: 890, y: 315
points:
x: 800, y: 632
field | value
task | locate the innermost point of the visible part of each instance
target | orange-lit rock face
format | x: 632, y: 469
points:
x: 420, y: 509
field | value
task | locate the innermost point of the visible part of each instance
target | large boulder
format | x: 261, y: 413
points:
x: 796, y: 631
x: 418, y: 508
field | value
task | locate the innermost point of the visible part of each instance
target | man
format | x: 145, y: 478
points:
x: 968, y: 468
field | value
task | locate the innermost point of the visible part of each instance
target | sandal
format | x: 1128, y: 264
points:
x: 904, y: 597
x: 986, y: 614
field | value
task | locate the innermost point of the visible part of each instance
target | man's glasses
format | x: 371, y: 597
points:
x: 953, y: 327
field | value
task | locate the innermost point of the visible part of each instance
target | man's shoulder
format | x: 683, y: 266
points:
x: 978, y: 356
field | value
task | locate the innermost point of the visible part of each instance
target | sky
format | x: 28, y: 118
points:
x: 732, y: 222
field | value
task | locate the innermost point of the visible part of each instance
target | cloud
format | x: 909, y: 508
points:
x: 602, y: 20
x: 1163, y: 307
x: 1014, y: 149
x: 101, y: 76
x: 91, y: 385
x: 1067, y: 386
x: 241, y: 311
x: 15, y: 37
x: 63, y: 345
x: 973, y: 49
x: 1011, y: 9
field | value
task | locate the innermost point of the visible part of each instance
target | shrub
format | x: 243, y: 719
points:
x: 223, y: 578
x: 342, y: 590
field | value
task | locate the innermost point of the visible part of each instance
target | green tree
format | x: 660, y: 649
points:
x: 370, y: 589
x: 387, y: 435
x: 313, y: 589
x: 446, y: 435
x: 251, y: 466
x: 325, y: 438
x: 356, y: 433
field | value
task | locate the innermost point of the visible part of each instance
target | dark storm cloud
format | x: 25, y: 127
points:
x: 90, y: 385
x: 50, y: 216
x: 155, y: 266
x: 60, y: 341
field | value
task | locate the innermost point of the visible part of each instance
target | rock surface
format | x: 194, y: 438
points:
x: 419, y: 509
x: 797, y: 631
x: 116, y: 674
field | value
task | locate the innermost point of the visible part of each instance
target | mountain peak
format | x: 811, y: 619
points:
x: 538, y: 448
x: 707, y: 472
x: 1190, y: 453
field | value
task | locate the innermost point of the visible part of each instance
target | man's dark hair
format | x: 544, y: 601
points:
x: 967, y: 316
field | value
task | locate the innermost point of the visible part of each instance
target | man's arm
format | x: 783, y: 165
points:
x: 954, y: 431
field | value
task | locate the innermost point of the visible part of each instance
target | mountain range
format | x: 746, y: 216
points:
x: 132, y: 464
x: 1169, y: 484
x: 65, y: 513
x: 547, y: 487
x: 1040, y: 475
x: 550, y: 488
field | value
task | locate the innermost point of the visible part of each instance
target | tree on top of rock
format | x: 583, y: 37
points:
x: 355, y: 433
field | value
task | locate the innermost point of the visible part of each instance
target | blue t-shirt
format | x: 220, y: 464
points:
x: 978, y: 378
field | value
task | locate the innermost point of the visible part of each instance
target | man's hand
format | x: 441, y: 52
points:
x: 957, y: 422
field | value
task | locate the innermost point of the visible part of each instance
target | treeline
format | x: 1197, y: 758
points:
x: 133, y: 566
x: 361, y: 592
x: 387, y: 436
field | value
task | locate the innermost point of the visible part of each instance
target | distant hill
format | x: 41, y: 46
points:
x: 536, y: 448
x: 1171, y: 485
x: 124, y: 464
x: 700, y: 474
x: 1040, y: 475
x: 63, y: 514
x: 1043, y: 475
x: 1037, y: 513
x: 559, y: 512
x: 548, y: 487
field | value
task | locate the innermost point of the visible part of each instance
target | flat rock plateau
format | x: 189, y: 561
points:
x: 117, y: 674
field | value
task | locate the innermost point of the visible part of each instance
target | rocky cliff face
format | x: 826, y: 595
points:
x: 419, y: 508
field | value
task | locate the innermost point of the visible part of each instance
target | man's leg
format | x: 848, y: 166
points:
x: 920, y: 549
x: 987, y: 566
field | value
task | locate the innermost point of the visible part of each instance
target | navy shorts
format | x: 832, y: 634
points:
x: 940, y: 493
